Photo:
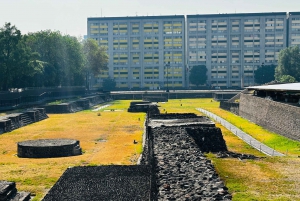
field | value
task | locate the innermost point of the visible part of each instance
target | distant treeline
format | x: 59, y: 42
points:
x: 47, y: 59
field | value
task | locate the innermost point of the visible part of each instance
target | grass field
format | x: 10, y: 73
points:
x: 108, y: 139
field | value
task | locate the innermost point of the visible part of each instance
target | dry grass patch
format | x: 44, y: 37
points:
x: 106, y: 139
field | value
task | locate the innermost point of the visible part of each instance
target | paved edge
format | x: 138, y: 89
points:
x: 242, y: 135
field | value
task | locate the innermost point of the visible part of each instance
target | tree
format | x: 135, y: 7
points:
x: 96, y: 58
x: 198, y: 75
x: 287, y: 79
x: 109, y: 84
x: 62, y: 57
x: 288, y: 63
x: 264, y: 74
x: 18, y: 64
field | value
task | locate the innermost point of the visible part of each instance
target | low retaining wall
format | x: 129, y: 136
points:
x: 231, y: 107
x: 74, y: 106
x: 277, y: 117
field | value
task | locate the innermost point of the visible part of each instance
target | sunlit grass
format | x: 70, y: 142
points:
x: 105, y: 139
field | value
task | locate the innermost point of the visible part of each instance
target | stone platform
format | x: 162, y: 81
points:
x: 110, y: 183
x: 48, y: 148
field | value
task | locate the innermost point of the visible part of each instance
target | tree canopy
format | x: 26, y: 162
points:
x: 47, y: 59
x: 96, y: 57
x: 62, y: 58
x: 198, y: 75
x: 17, y: 61
x: 288, y: 63
x: 287, y: 79
x: 264, y: 74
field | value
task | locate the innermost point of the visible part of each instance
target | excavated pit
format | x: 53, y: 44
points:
x: 48, y: 148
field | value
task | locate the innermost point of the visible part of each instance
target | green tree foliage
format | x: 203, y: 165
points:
x: 18, y: 64
x: 62, y: 57
x: 96, y: 59
x: 264, y: 74
x: 287, y: 79
x: 47, y: 59
x: 288, y: 63
x: 198, y: 75
x: 109, y: 84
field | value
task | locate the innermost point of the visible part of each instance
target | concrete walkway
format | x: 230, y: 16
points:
x: 244, y: 136
x: 101, y: 107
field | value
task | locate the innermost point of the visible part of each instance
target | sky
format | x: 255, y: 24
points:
x: 70, y: 16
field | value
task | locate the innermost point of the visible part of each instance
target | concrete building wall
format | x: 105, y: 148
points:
x: 235, y: 45
x: 274, y: 116
x: 144, y: 52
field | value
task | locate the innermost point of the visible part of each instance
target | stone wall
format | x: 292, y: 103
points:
x: 182, y: 171
x: 113, y: 182
x: 231, y: 107
x: 16, y: 120
x: 277, y: 117
x: 74, y: 106
x: 9, y: 192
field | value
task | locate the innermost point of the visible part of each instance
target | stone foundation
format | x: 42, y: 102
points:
x: 9, y: 192
x: 112, y: 182
x: 48, y: 148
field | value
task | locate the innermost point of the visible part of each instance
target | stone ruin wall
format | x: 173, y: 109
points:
x: 75, y: 106
x: 113, y: 182
x: 178, y: 165
x: 274, y: 116
x: 16, y: 120
x: 231, y: 107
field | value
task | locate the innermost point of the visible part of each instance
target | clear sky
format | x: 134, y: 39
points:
x: 70, y: 16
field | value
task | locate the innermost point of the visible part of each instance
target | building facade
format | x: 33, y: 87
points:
x: 157, y: 52
x: 144, y: 52
x: 233, y: 46
x: 294, y: 29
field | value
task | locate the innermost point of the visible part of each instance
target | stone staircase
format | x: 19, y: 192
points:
x: 41, y: 115
x: 9, y: 192
x: 25, y: 119
x: 236, y: 97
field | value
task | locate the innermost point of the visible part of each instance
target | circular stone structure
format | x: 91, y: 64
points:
x: 48, y: 148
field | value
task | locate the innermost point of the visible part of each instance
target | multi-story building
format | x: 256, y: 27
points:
x: 144, y: 52
x: 156, y: 52
x: 233, y: 46
x: 294, y: 29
